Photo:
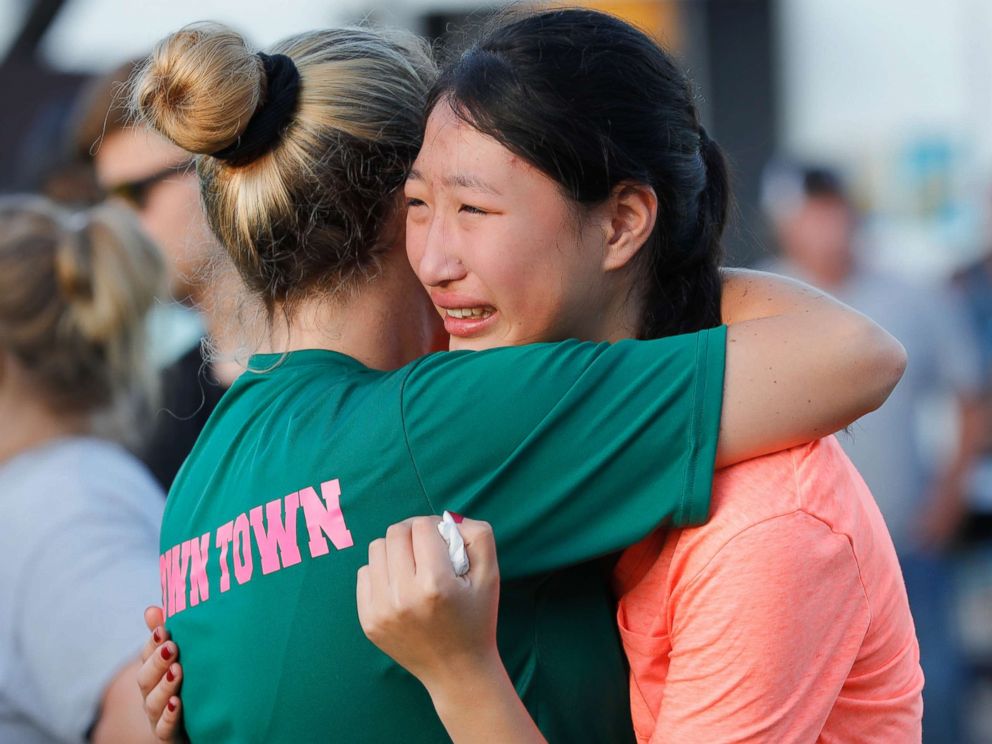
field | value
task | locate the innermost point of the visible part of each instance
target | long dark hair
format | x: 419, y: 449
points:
x: 593, y: 102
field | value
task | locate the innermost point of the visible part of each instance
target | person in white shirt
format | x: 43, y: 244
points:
x: 81, y: 515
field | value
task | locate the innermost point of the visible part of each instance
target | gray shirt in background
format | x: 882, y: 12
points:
x: 79, y: 537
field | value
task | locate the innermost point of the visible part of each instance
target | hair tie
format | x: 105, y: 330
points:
x: 267, y: 124
x: 74, y: 259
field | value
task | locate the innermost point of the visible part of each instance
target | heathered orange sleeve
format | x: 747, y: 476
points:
x: 764, y: 636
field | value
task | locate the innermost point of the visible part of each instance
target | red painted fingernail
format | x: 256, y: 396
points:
x: 170, y: 676
x: 172, y: 707
x: 166, y: 653
x: 157, y: 636
x: 457, y: 517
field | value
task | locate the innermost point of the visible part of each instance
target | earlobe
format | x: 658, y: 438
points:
x: 633, y: 214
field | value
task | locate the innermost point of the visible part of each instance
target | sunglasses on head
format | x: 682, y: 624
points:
x: 136, y: 192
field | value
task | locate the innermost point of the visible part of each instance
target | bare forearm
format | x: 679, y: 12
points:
x: 481, y: 706
x: 800, y: 365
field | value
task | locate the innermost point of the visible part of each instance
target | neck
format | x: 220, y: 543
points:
x: 37, y: 424
x: 624, y: 311
x: 219, y: 302
x: 385, y: 323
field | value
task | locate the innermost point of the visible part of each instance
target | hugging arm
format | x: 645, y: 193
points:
x: 800, y: 365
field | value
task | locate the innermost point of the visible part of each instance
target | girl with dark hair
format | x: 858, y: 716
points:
x: 572, y: 450
x: 563, y: 154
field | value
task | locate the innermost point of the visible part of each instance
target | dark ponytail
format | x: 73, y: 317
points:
x: 592, y: 102
x: 684, y: 286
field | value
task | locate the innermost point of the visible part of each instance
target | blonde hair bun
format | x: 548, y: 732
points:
x: 316, y: 207
x: 200, y: 87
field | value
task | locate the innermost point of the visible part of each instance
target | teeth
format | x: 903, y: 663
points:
x: 468, y: 312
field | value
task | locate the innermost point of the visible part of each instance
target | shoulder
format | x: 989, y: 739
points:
x: 803, y: 486
x: 74, y: 494
x: 443, y: 361
x: 100, y: 467
x: 565, y: 355
x: 78, y: 476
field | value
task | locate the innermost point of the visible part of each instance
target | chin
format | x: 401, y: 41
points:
x: 473, y: 344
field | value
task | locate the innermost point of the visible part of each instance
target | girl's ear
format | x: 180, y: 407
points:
x: 633, y: 212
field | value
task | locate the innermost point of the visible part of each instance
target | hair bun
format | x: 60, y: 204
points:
x: 199, y: 87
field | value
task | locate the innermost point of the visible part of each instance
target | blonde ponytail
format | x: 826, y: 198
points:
x: 74, y: 292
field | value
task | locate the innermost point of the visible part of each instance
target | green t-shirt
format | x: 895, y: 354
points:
x: 572, y: 451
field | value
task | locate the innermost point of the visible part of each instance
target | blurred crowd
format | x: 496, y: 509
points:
x: 925, y: 451
x: 926, y: 454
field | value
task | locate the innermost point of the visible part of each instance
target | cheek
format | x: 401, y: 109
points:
x: 169, y: 209
x: 528, y: 273
x: 504, y: 255
x: 173, y: 217
x: 416, y: 236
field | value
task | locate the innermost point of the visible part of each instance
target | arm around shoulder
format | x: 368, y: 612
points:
x: 800, y: 365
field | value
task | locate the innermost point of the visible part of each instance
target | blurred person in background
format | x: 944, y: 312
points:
x: 138, y: 167
x: 81, y: 515
x: 974, y: 283
x: 816, y: 226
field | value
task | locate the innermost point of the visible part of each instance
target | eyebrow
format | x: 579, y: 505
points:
x: 459, y: 179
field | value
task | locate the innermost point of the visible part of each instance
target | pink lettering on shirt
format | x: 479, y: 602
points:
x: 274, y: 527
x: 199, y: 586
x: 243, y: 562
x: 280, y: 539
x: 163, y: 570
x: 327, y: 519
x: 224, y: 535
x: 177, y: 581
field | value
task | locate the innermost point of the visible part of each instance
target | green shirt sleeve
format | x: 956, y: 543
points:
x: 571, y: 450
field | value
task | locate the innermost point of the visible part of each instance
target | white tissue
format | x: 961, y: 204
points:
x: 456, y: 545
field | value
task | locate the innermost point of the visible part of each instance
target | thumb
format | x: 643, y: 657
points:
x: 154, y: 617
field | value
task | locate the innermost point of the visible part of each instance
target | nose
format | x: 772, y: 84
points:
x: 440, y: 260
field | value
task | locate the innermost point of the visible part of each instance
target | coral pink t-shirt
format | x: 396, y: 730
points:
x: 782, y: 619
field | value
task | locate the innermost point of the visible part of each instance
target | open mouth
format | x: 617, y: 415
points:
x: 468, y: 313
x: 466, y: 322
